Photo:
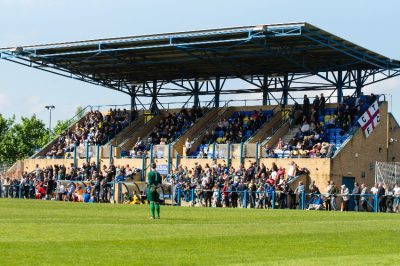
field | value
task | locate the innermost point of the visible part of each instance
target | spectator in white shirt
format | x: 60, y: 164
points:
x: 345, y: 198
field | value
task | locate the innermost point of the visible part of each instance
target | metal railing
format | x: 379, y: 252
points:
x: 269, y: 198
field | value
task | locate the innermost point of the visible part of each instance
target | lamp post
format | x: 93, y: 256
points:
x: 50, y: 107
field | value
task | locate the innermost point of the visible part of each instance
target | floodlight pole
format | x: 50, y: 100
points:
x: 50, y: 107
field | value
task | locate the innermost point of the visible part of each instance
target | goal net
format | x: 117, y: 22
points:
x: 387, y: 173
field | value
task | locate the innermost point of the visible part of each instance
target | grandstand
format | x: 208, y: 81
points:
x: 278, y: 62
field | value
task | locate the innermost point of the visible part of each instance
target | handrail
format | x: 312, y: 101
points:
x: 264, y: 124
x: 71, y: 121
x: 141, y: 127
x: 178, y: 138
x: 129, y: 124
x: 226, y: 106
x: 281, y: 122
x: 355, y: 128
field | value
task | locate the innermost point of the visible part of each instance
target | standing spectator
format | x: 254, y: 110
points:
x: 252, y: 193
x: 215, y: 196
x: 316, y: 104
x: 260, y: 197
x: 396, y: 195
x: 345, y: 198
x: 234, y: 195
x: 364, y: 198
x: 356, y: 197
x: 332, y: 192
x: 188, y: 146
x: 241, y: 188
x: 225, y: 194
x: 306, y: 106
x: 60, y: 191
x: 292, y: 171
x: 300, y: 191
x: 381, y: 198
x: 7, y: 185
x: 327, y: 200
x: 322, y: 105
x: 50, y: 188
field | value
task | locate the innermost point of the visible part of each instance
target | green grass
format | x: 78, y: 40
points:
x: 44, y: 232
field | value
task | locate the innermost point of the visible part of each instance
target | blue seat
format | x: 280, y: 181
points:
x: 248, y: 133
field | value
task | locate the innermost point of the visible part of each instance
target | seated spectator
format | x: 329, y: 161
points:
x: 188, y: 146
x: 139, y: 146
x: 305, y: 128
x: 280, y: 145
x: 316, y: 203
x: 96, y: 129
x: 174, y: 125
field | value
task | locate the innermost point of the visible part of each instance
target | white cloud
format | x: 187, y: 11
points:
x: 36, y: 104
x: 4, y: 101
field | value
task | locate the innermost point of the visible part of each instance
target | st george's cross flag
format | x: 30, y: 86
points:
x: 370, y: 119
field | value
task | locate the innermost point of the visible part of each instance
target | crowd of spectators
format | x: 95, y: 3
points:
x: 319, y: 129
x: 215, y: 185
x: 236, y: 129
x: 87, y: 183
x: 169, y: 129
x: 261, y: 187
x: 256, y: 186
x: 95, y: 129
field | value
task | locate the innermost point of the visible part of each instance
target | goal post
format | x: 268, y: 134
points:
x: 387, y: 173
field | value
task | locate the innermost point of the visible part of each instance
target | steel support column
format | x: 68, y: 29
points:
x: 285, y: 90
x: 196, y: 90
x: 153, y: 105
x: 133, y: 101
x: 217, y: 91
x: 339, y: 86
x: 359, y: 84
x: 133, y: 107
x: 265, y: 90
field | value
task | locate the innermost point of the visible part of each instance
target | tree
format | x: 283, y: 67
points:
x: 21, y: 140
x: 61, y: 126
x: 79, y: 113
x: 5, y: 125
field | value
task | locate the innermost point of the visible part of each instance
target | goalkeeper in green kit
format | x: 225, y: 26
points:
x: 153, y: 183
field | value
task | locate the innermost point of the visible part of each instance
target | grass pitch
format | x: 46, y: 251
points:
x: 53, y: 233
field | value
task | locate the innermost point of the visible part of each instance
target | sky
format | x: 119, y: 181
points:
x: 25, y: 91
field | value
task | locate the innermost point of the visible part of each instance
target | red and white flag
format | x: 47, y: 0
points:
x: 370, y: 119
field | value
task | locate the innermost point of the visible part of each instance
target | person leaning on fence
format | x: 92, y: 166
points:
x: 332, y: 194
x: 356, y: 197
x: 153, y: 183
x: 381, y: 198
x: 364, y: 198
x: 396, y: 195
x: 215, y: 196
x: 299, y: 191
x: 345, y: 198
